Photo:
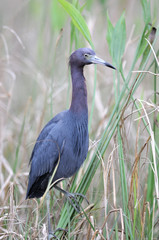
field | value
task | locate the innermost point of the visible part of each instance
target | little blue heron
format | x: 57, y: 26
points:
x: 64, y: 139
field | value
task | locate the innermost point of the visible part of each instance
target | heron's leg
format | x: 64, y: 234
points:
x: 51, y: 234
x: 48, y: 214
x: 73, y: 196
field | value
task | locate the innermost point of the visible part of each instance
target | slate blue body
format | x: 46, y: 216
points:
x: 66, y: 135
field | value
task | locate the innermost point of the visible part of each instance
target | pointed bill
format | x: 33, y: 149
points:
x: 96, y: 60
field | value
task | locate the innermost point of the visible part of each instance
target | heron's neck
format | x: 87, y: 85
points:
x: 79, y: 91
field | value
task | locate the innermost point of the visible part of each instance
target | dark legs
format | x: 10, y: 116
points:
x: 72, y: 198
x: 51, y: 234
x: 48, y: 214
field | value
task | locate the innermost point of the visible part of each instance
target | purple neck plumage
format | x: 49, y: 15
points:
x: 79, y: 90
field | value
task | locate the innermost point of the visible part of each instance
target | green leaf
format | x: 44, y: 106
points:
x: 110, y: 30
x: 116, y: 37
x: 146, y: 11
x: 77, y: 20
x: 57, y: 15
x: 143, y: 44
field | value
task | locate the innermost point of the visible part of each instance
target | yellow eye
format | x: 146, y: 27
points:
x: 86, y: 55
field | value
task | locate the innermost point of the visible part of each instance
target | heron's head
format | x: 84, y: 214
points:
x: 86, y: 56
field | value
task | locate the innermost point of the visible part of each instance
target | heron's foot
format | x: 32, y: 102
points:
x: 72, y: 198
x: 52, y: 235
x: 81, y: 195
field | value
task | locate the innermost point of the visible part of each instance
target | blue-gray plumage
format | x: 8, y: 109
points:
x: 65, y: 137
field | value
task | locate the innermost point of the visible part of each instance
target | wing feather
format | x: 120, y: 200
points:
x: 45, y: 156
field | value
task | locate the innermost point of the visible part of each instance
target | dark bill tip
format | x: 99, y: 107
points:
x: 109, y: 65
x: 96, y: 60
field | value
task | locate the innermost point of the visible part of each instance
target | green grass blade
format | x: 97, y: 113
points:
x: 93, y: 101
x: 146, y: 11
x: 116, y: 38
x: 77, y: 20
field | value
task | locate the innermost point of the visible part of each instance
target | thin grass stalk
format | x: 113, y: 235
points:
x: 52, y: 73
x: 117, y: 91
x: 155, y: 98
x: 114, y: 199
x: 11, y: 214
x: 93, y: 100
x: 154, y: 167
x: 123, y: 183
x: 153, y: 216
x: 151, y: 176
x: 19, y: 146
x: 135, y: 208
x: 106, y: 171
x: 135, y: 103
x: 68, y: 215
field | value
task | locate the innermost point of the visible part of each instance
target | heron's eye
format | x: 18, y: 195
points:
x: 86, y: 55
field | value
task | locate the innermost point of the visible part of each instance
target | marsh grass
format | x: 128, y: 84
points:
x: 120, y: 174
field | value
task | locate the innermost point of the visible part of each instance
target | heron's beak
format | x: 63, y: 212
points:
x: 97, y: 60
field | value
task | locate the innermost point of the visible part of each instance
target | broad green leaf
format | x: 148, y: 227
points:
x: 144, y: 47
x: 116, y: 38
x: 143, y: 43
x: 110, y: 30
x: 146, y: 11
x: 77, y: 20
x: 57, y: 15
